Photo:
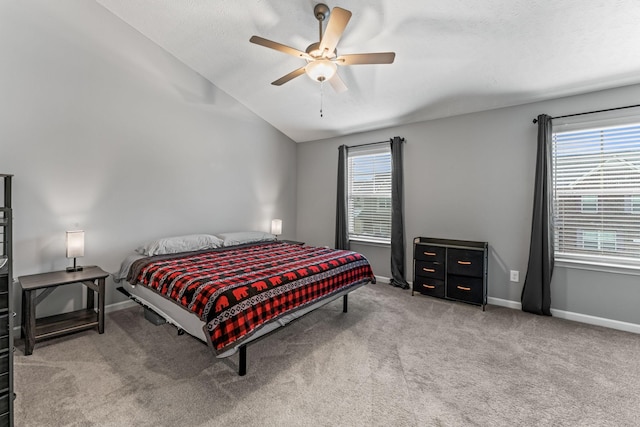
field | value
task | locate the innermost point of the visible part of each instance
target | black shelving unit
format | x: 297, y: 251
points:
x: 6, y: 312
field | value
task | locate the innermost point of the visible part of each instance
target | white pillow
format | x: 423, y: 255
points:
x: 240, y: 237
x: 173, y: 245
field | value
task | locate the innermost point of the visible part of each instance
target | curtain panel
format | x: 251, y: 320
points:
x: 398, y: 277
x: 342, y: 222
x: 536, y: 296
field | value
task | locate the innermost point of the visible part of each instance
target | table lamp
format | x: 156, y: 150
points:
x: 276, y: 227
x: 75, y: 248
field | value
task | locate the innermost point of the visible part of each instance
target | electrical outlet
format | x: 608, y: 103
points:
x: 515, y: 276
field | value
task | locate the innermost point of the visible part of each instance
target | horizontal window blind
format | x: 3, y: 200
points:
x: 369, y: 194
x: 596, y: 181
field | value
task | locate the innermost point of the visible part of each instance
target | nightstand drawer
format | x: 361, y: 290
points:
x: 465, y: 262
x: 427, y: 286
x: 429, y: 253
x: 429, y: 269
x: 463, y: 288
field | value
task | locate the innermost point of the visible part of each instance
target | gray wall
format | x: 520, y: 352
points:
x: 471, y: 177
x: 106, y: 132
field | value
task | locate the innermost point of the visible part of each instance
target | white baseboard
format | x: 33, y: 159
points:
x: 561, y: 314
x: 576, y: 317
x: 598, y: 321
x: 504, y: 303
x: 119, y: 306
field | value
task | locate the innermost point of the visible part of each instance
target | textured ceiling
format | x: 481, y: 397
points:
x: 452, y: 56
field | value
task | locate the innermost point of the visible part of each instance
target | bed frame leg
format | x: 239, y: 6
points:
x: 345, y: 303
x: 242, y: 362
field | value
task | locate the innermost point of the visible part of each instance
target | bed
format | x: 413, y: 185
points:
x: 234, y: 291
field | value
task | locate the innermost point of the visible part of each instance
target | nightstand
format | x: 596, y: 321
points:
x: 34, y: 330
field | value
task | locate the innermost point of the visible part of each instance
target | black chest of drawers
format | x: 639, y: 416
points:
x: 451, y: 269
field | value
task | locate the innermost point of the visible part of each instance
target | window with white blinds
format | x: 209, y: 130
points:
x: 369, y: 193
x: 596, y: 181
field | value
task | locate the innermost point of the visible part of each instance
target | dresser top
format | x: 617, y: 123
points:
x: 451, y: 243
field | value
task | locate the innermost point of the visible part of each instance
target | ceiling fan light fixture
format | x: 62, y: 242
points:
x: 321, y: 70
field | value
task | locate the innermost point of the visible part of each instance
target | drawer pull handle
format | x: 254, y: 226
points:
x: 464, y: 262
x: 429, y: 270
x: 430, y: 253
x: 429, y: 286
x: 463, y: 288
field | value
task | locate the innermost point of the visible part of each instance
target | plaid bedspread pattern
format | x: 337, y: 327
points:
x: 236, y: 290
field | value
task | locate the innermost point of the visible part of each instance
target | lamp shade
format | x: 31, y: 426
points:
x: 75, y: 244
x: 321, y: 69
x: 276, y: 227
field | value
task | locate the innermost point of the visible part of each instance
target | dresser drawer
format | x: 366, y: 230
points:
x: 429, y: 269
x: 464, y: 288
x: 465, y: 262
x: 427, y: 286
x: 429, y: 253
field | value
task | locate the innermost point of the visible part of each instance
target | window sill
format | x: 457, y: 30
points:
x: 370, y: 243
x: 601, y: 267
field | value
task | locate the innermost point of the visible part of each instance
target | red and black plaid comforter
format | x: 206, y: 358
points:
x: 236, y: 290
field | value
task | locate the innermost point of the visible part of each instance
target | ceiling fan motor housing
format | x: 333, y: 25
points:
x: 321, y: 11
x: 314, y: 50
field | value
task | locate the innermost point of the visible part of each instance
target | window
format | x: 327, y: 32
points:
x: 632, y: 204
x: 597, y: 239
x: 596, y: 185
x: 589, y: 204
x: 369, y: 194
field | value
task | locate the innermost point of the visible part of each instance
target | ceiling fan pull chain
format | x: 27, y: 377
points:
x: 321, y: 96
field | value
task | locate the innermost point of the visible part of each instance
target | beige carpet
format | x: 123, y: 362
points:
x: 393, y: 360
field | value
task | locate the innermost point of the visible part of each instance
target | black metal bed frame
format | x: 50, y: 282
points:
x: 242, y: 350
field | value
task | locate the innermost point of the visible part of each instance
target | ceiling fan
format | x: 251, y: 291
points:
x: 322, y: 57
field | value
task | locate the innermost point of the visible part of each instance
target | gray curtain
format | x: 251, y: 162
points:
x: 342, y: 224
x: 398, y: 277
x: 536, y: 291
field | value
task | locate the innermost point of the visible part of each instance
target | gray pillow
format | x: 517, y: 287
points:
x: 241, y: 237
x: 173, y: 245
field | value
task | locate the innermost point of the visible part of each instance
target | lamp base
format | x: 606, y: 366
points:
x: 72, y: 269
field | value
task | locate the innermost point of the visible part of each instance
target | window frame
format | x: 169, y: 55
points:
x: 629, y: 203
x: 360, y: 152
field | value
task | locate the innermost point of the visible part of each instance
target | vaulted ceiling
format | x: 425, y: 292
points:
x: 452, y: 56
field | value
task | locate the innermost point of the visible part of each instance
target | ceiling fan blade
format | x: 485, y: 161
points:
x: 338, y: 84
x: 279, y: 47
x: 366, y: 58
x: 292, y: 75
x: 338, y: 20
